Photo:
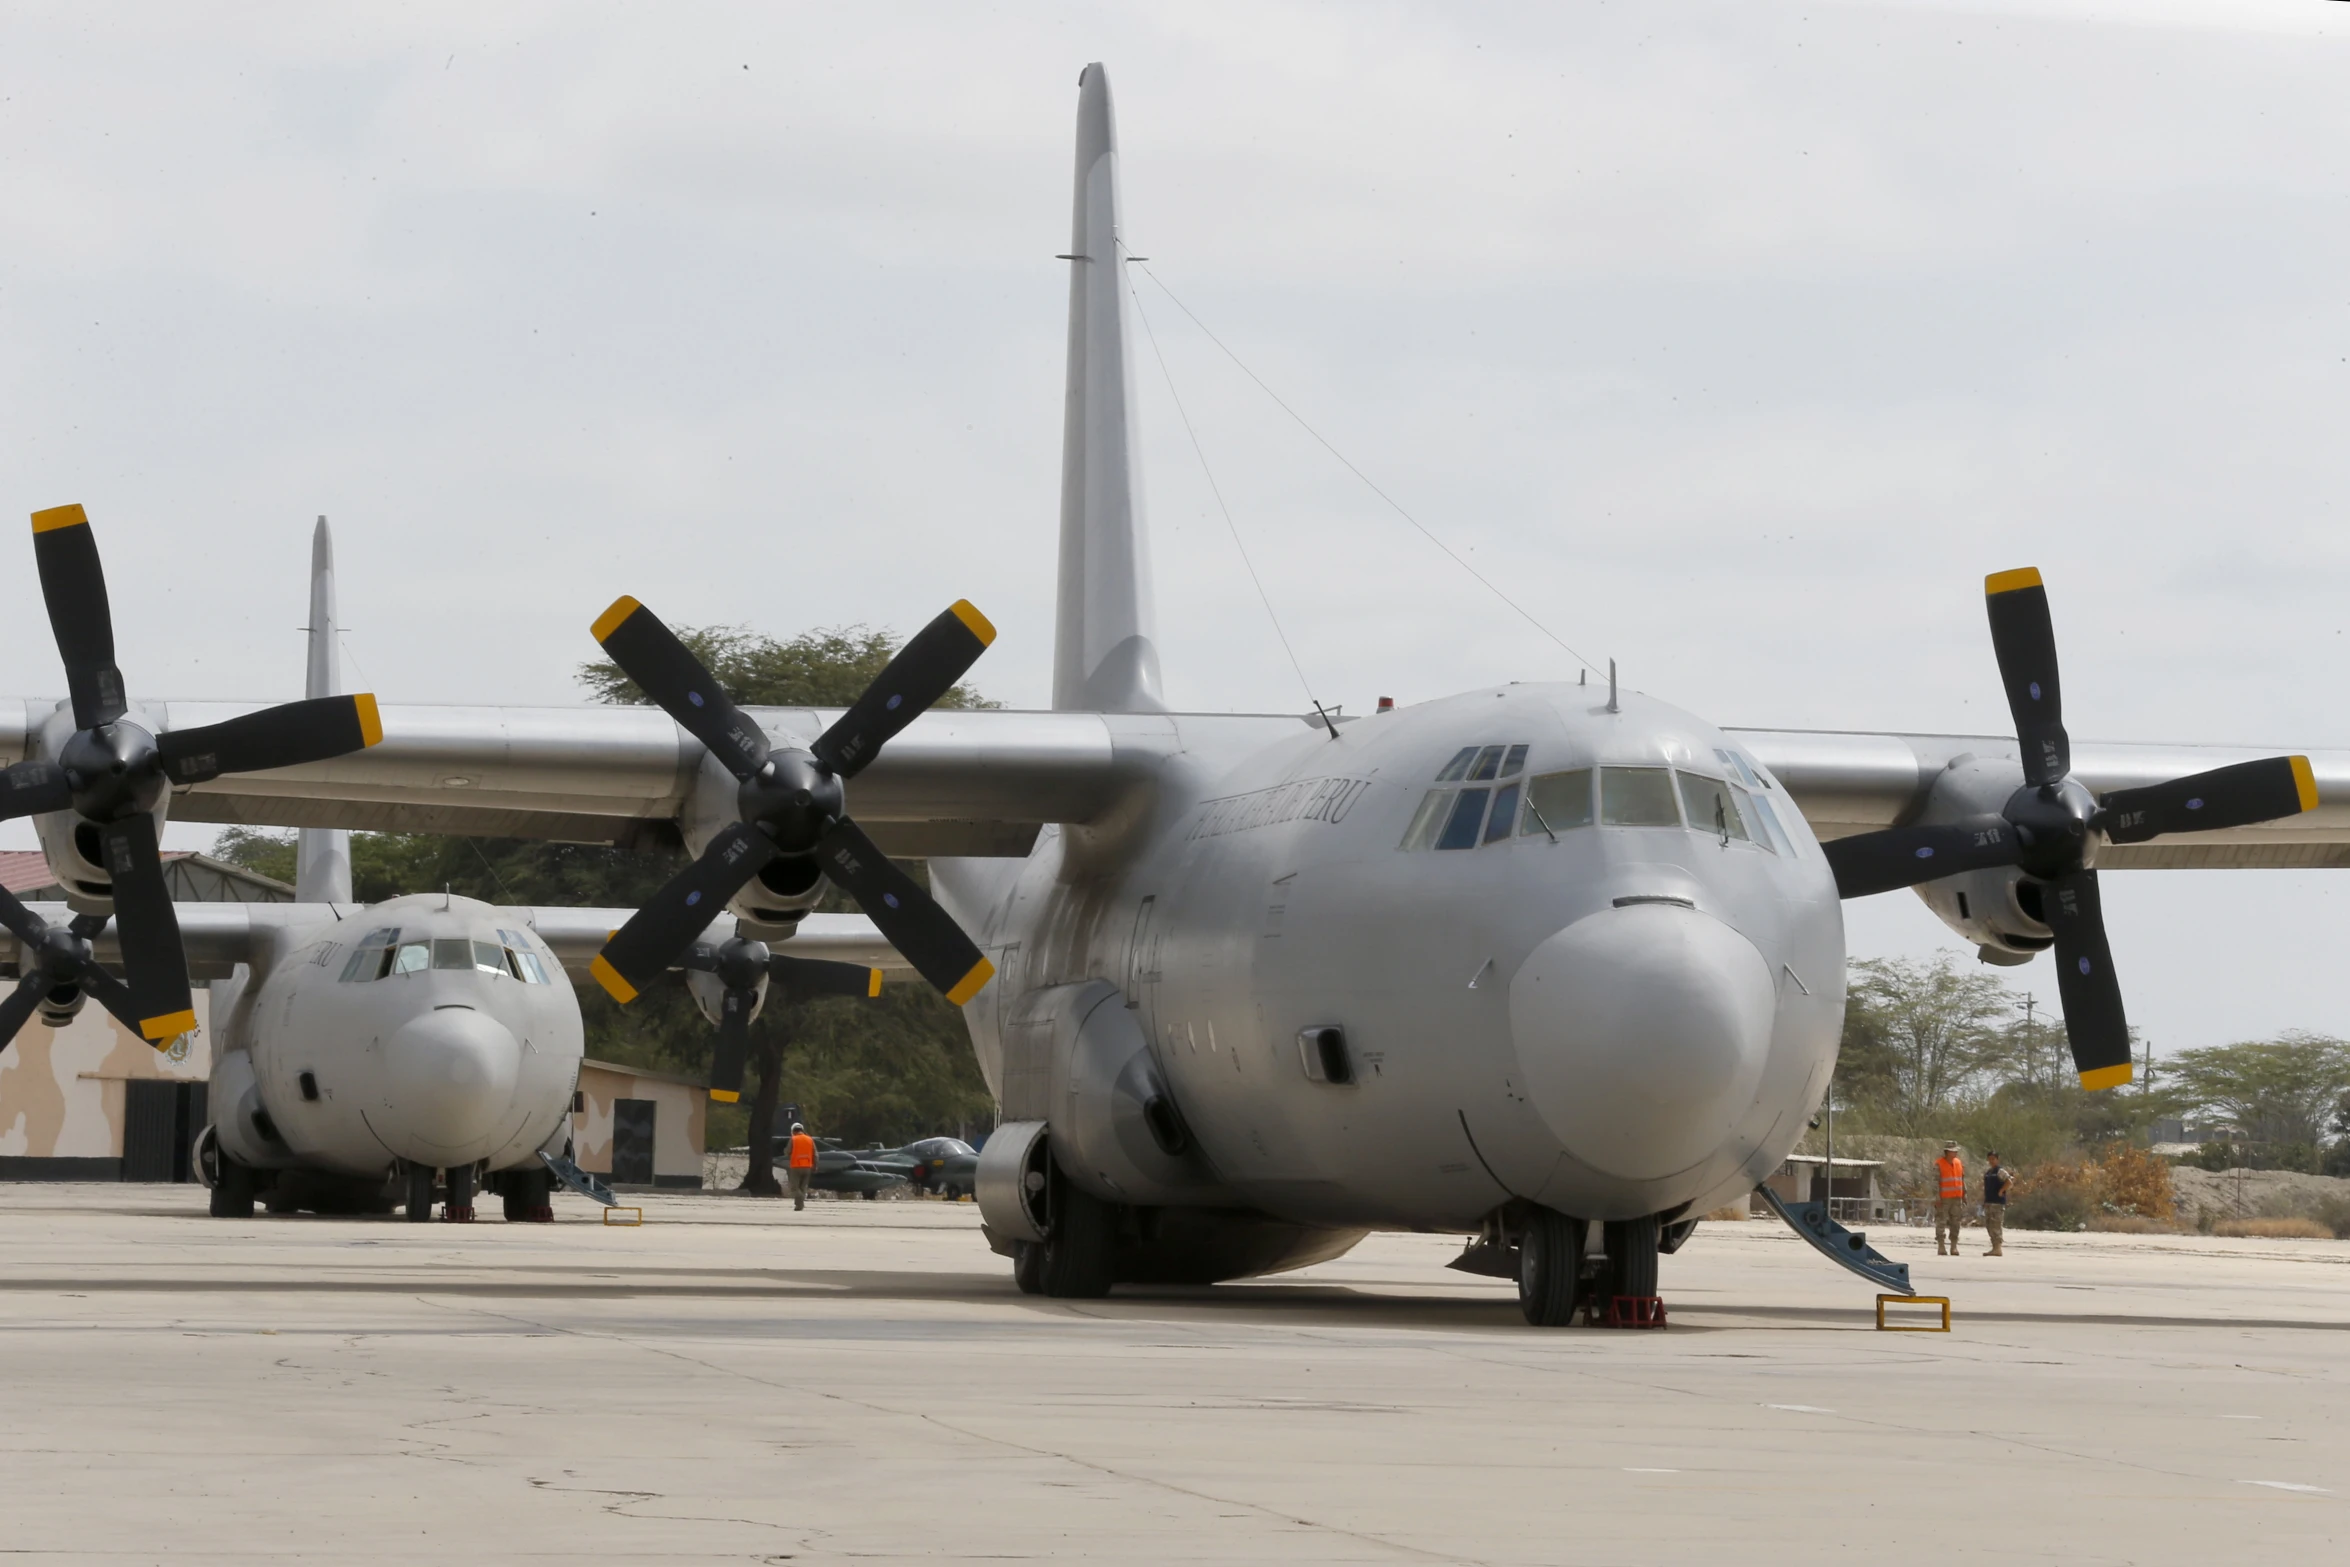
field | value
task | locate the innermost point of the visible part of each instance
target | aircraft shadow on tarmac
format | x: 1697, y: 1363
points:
x: 1292, y: 1305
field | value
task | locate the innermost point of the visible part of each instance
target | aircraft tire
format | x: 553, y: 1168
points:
x: 232, y: 1190
x: 1028, y: 1267
x: 1550, y: 1264
x: 419, y: 1193
x: 1079, y: 1248
x: 528, y: 1195
x: 1631, y: 1256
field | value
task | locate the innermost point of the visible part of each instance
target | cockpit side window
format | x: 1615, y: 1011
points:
x: 1459, y: 765
x: 1556, y: 802
x: 490, y: 958
x: 1514, y: 762
x: 1487, y: 765
x: 520, y: 960
x: 1637, y: 797
x: 1712, y: 807
x: 1772, y: 835
x: 413, y: 958
x: 372, y: 959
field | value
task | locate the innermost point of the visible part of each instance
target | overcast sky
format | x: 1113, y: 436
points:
x: 1739, y: 340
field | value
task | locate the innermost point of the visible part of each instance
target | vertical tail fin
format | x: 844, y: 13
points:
x: 322, y: 855
x: 1105, y: 644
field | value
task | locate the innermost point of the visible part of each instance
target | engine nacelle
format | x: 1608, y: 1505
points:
x: 1116, y: 1130
x: 709, y: 993
x: 1998, y: 910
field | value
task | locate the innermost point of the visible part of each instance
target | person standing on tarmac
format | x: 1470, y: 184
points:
x: 1949, y: 1199
x: 801, y: 1163
x: 1995, y: 1184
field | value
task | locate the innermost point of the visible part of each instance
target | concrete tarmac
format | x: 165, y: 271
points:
x: 860, y: 1382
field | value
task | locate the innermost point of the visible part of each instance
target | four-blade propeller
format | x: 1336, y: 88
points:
x: 740, y: 964
x: 113, y: 773
x: 2050, y: 828
x: 58, y: 964
x: 789, y: 803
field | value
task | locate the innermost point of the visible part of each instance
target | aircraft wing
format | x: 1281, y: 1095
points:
x: 966, y: 783
x: 1849, y: 782
x: 216, y: 936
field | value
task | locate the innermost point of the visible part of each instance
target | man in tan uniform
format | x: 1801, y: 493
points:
x: 1949, y: 1199
x: 1995, y: 1184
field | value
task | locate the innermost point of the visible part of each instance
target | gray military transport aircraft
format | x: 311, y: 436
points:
x: 366, y: 1055
x: 1553, y: 966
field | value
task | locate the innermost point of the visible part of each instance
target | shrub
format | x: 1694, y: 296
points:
x: 2274, y: 1229
x: 2334, y: 1214
x: 2214, y: 1157
x: 1729, y: 1212
x: 2054, y: 1196
x: 2134, y: 1181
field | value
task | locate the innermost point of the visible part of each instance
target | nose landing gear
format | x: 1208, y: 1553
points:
x: 1550, y: 1268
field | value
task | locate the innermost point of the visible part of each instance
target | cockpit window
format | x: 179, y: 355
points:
x: 1557, y: 801
x: 490, y: 958
x: 1427, y: 819
x: 414, y: 958
x: 1468, y: 815
x: 1637, y: 797
x: 1712, y: 807
x: 1505, y: 812
x: 1514, y: 762
x: 1459, y: 765
x: 1771, y: 835
x: 520, y: 960
x: 452, y: 952
x: 1488, y: 764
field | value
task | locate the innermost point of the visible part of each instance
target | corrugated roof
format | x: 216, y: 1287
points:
x: 24, y: 871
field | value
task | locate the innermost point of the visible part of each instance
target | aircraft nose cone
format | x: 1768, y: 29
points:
x: 451, y: 1073
x: 1642, y: 1033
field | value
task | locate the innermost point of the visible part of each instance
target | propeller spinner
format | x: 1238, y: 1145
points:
x: 113, y: 773
x: 790, y: 803
x: 2050, y: 827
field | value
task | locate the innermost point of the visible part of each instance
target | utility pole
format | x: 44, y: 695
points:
x: 2031, y: 1037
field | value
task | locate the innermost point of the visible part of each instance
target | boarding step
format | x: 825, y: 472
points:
x: 579, y: 1180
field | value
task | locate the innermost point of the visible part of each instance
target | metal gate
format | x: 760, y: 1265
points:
x: 632, y: 1142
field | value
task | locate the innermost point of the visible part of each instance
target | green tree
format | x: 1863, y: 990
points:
x: 898, y: 1068
x: 1929, y: 1033
x: 2280, y: 1093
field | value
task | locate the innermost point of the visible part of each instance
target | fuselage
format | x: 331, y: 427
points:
x: 1620, y: 1000
x: 431, y: 1030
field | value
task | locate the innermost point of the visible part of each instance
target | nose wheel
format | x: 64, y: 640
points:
x: 1631, y: 1257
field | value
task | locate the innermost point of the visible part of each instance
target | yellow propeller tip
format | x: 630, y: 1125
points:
x: 2304, y: 782
x: 976, y: 623
x: 159, y: 1031
x: 873, y: 982
x: 609, y: 621
x: 725, y: 1096
x: 60, y: 517
x: 971, y: 983
x: 607, y: 976
x: 2107, y: 1076
x: 371, y: 720
x: 2011, y: 581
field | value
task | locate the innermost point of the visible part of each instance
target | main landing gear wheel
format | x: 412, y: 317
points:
x: 528, y: 1195
x: 1631, y: 1256
x: 232, y: 1189
x: 1077, y: 1249
x: 419, y: 1194
x: 460, y: 1205
x: 1550, y: 1262
x: 1028, y: 1266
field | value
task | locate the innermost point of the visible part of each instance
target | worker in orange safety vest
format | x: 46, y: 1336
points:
x: 801, y: 1164
x: 1949, y: 1199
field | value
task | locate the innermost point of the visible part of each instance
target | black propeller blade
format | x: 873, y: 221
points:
x: 740, y: 965
x: 1904, y: 856
x: 666, y: 670
x: 73, y: 583
x: 791, y: 804
x: 910, y: 918
x: 2051, y: 827
x: 2235, y: 796
x: 115, y: 774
